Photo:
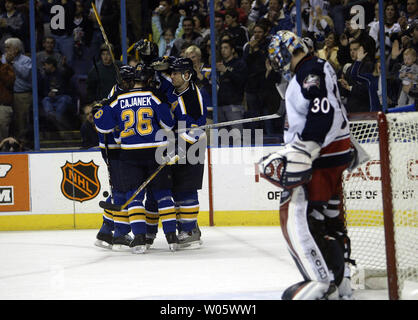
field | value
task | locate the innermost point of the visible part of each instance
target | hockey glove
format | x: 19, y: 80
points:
x: 162, y: 63
x: 292, y: 166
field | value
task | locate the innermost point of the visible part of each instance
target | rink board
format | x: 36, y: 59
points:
x: 61, y: 190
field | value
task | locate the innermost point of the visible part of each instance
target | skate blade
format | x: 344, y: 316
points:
x: 191, y: 245
x: 120, y: 248
x: 139, y: 249
x: 103, y: 244
x: 173, y: 247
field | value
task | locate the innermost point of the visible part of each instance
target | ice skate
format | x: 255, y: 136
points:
x: 104, y: 240
x: 138, y: 244
x: 121, y: 243
x: 172, y: 241
x: 190, y: 239
x: 149, y: 239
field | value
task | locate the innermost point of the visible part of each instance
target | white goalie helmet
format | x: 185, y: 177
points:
x: 282, y: 46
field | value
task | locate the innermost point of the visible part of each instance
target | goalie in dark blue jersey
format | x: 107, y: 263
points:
x: 140, y: 114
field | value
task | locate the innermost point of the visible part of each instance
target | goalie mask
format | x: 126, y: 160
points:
x: 282, y: 46
x: 284, y: 173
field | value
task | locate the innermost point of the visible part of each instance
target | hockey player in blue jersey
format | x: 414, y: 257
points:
x: 309, y: 170
x: 139, y: 114
x: 161, y: 84
x: 110, y: 149
x: 190, y: 109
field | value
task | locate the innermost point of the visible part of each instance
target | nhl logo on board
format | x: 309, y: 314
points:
x: 80, y: 181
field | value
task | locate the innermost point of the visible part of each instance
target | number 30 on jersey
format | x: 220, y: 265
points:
x: 320, y: 105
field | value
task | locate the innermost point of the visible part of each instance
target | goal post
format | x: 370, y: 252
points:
x: 381, y: 199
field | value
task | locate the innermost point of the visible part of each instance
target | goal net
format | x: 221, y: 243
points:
x: 381, y: 202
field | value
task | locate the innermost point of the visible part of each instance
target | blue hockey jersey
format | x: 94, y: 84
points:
x: 139, y: 114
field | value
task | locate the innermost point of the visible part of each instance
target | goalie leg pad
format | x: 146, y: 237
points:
x: 301, y: 244
x: 330, y: 247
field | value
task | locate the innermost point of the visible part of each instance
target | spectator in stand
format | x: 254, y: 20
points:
x: 102, y: 76
x: 165, y: 38
x: 205, y: 50
x: 203, y: 72
x: 82, y: 30
x: 89, y: 136
x: 58, y: 107
x: 62, y: 29
x: 408, y: 74
x: 350, y: 34
x: 414, y: 34
x: 246, y: 7
x: 320, y: 23
x: 261, y: 94
x: 7, y: 79
x: 330, y: 51
x: 13, y: 24
x: 391, y: 26
x: 109, y: 16
x: 357, y: 93
x: 189, y: 36
x: 255, y: 55
x: 336, y: 12
x: 232, y: 76
x: 22, y: 88
x: 279, y: 17
x: 400, y: 42
x: 258, y: 9
x: 219, y: 26
x: 370, y: 80
x: 233, y: 5
x: 412, y: 11
x: 238, y: 32
x: 169, y: 17
x: 200, y: 25
x: 48, y: 44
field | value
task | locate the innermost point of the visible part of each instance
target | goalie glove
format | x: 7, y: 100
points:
x: 162, y: 63
x: 292, y: 166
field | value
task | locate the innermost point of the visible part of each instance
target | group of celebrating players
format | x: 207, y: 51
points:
x: 155, y: 95
x: 308, y: 170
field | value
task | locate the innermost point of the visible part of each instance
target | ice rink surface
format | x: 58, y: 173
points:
x: 234, y: 263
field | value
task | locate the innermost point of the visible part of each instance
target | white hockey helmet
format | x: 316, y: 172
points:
x: 281, y: 49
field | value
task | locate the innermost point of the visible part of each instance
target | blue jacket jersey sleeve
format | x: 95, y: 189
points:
x: 139, y: 114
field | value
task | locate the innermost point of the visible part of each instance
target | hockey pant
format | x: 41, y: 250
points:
x: 187, y: 208
x: 137, y: 212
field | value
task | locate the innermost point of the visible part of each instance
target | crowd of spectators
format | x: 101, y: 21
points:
x: 75, y: 68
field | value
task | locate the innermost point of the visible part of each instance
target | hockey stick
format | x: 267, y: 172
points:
x: 118, y: 77
x: 120, y: 207
x: 229, y: 123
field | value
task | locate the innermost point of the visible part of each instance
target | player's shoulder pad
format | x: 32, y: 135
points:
x: 311, y: 76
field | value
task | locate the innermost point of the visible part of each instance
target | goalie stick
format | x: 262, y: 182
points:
x: 118, y: 77
x: 120, y: 207
x: 229, y: 123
